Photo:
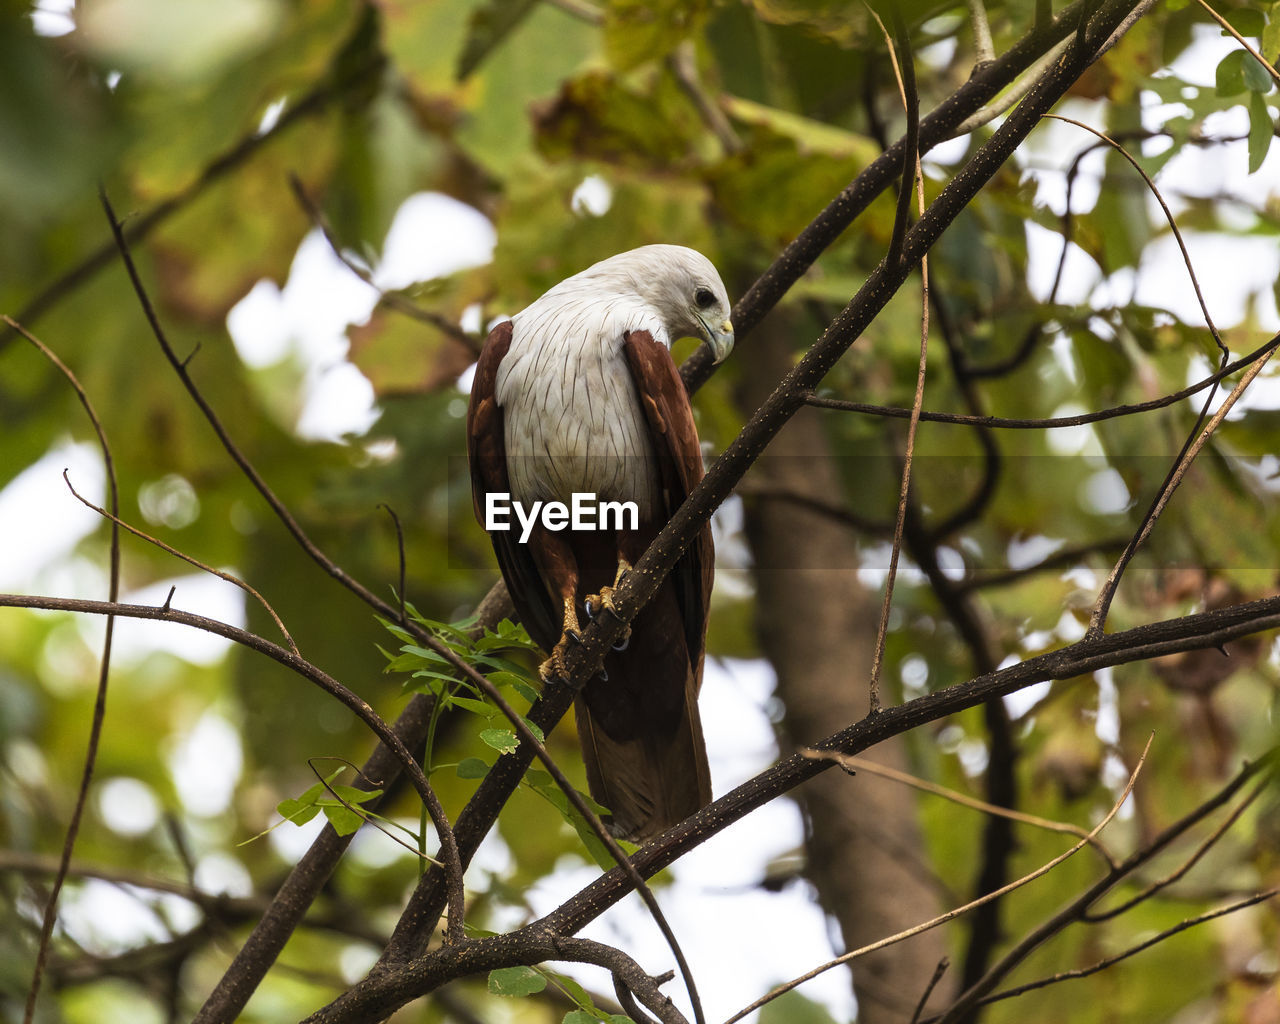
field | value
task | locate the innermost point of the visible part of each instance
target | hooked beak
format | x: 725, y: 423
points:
x: 719, y: 338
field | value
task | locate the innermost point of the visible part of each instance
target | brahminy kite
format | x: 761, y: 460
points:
x: 578, y: 394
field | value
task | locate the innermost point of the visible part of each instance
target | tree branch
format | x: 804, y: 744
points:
x: 50, y: 915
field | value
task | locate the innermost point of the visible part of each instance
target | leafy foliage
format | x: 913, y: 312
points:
x: 725, y: 126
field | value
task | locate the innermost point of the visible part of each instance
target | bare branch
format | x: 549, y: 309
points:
x: 951, y: 914
x: 1077, y: 907
x: 1098, y: 620
x: 104, y: 669
x: 1103, y: 964
x: 861, y: 764
x: 1048, y: 423
x: 392, y: 300
x: 237, y: 456
x: 912, y: 182
x: 234, y: 580
x: 312, y: 674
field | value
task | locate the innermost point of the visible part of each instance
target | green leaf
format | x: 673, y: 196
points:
x: 493, y: 662
x: 356, y: 796
x: 1228, y: 78
x: 1261, y: 130
x: 1270, y: 45
x: 555, y: 796
x: 516, y: 981
x: 1256, y: 77
x: 476, y: 707
x: 296, y: 811
x: 490, y: 24
x: 502, y: 740
x: 636, y: 31
x: 472, y: 768
x: 526, y: 691
x: 1246, y: 21
x: 343, y: 819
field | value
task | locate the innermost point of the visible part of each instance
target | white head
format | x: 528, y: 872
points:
x: 680, y: 284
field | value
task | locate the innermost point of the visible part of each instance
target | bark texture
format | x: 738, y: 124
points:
x: 817, y: 625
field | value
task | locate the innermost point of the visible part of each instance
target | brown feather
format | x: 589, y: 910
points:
x: 487, y: 455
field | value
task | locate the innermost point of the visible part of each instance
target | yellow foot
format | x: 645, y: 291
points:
x: 554, y: 667
x: 603, y: 601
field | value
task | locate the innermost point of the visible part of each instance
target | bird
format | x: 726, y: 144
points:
x: 578, y: 394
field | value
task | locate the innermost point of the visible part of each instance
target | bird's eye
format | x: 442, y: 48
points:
x: 704, y: 297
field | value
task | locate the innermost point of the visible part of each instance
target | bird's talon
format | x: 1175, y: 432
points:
x: 624, y: 641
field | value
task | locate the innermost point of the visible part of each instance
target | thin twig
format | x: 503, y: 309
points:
x: 904, y: 73
x: 392, y: 300
x: 683, y: 62
x: 912, y: 182
x: 237, y: 456
x: 823, y: 506
x: 168, y: 549
x: 1098, y: 619
x: 862, y: 764
x: 403, y: 619
x: 938, y: 972
x: 1077, y: 907
x: 1103, y: 964
x: 958, y: 911
x: 1048, y: 423
x: 1169, y: 217
x: 1184, y: 867
x: 1065, y: 556
x: 50, y: 915
x: 1229, y: 28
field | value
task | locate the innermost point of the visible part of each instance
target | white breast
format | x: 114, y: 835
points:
x: 573, y: 422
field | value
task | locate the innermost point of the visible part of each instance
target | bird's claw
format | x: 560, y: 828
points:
x: 603, y: 601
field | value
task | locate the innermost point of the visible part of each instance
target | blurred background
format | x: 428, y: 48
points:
x: 462, y: 157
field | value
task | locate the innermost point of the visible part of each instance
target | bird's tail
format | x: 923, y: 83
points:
x: 651, y: 781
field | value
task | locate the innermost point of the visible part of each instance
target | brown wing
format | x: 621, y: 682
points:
x: 487, y: 454
x: 640, y: 729
x: 675, y: 442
